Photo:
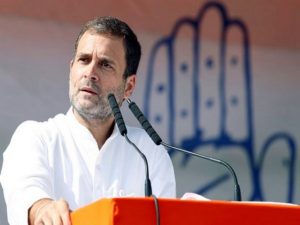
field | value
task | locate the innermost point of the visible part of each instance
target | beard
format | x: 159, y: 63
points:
x: 95, y: 107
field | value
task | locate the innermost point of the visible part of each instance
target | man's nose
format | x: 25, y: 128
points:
x: 91, y: 72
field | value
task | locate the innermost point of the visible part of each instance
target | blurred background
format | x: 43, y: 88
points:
x: 220, y: 78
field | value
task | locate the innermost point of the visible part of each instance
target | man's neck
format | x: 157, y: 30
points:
x: 101, y: 130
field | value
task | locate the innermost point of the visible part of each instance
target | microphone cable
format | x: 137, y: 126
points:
x: 157, y: 213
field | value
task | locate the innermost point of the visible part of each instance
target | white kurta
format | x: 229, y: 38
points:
x: 60, y: 158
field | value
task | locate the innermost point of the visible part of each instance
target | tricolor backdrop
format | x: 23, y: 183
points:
x: 220, y: 78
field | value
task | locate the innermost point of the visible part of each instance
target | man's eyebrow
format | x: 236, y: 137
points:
x: 108, y: 60
x: 81, y: 54
x: 102, y: 59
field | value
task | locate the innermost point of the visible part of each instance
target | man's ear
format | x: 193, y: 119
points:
x: 71, y: 63
x: 129, y: 85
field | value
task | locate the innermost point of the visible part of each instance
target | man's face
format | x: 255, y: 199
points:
x: 97, y: 70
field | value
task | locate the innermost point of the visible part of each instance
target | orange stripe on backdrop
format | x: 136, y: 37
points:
x: 273, y: 24
x: 136, y: 211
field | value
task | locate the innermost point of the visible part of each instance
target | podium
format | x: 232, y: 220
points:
x: 141, y: 211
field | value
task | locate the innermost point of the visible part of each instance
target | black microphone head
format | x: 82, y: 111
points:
x: 144, y: 123
x: 117, y: 113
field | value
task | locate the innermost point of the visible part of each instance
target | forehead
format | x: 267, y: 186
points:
x: 101, y: 43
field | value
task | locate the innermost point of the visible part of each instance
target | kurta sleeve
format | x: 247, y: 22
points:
x: 26, y: 176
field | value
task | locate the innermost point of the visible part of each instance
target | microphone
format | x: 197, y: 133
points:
x: 122, y: 128
x: 158, y: 141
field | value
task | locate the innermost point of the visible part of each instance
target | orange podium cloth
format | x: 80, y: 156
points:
x: 141, y: 211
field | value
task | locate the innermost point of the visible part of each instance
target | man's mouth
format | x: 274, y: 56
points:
x: 89, y: 90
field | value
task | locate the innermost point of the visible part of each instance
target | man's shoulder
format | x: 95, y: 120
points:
x: 41, y: 127
x: 140, y: 137
x: 136, y: 132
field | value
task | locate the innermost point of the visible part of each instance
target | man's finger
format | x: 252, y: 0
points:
x: 44, y: 221
x: 65, y: 217
x: 64, y: 211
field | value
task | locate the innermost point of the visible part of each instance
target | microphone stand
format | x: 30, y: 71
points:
x: 148, y: 188
x: 237, y: 191
x: 158, y: 141
x: 122, y: 128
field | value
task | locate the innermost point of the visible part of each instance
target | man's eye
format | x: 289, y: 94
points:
x: 106, y: 65
x: 83, y: 59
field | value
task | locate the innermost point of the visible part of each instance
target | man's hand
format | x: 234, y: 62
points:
x: 49, y: 212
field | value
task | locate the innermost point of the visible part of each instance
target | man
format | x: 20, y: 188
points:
x: 72, y: 160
